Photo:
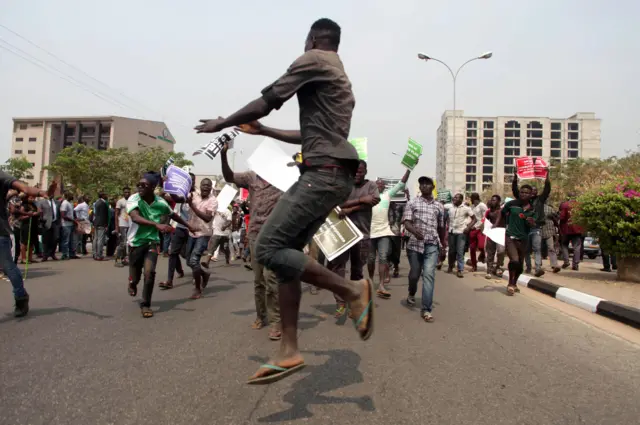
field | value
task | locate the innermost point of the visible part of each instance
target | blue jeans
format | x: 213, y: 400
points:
x: 68, y: 246
x: 424, y: 263
x: 9, y: 267
x: 534, y: 244
x: 457, y: 247
x: 199, y: 247
x: 380, y: 248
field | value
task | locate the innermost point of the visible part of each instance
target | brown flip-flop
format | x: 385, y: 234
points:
x: 368, y: 311
x: 381, y: 293
x: 275, y: 374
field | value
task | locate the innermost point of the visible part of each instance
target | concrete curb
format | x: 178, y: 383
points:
x: 622, y: 313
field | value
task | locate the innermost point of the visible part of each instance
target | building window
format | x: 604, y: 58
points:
x: 573, y: 145
x: 509, y: 161
x: 88, y: 131
x: 488, y: 124
x: 532, y: 143
x: 33, y: 139
x: 556, y: 135
x: 512, y: 124
x: 471, y: 188
x: 573, y: 126
x: 19, y: 139
x: 31, y: 152
x: 487, y: 142
x: 106, y: 129
x: 487, y: 134
x: 486, y: 187
x: 23, y: 126
x: 507, y: 171
x: 534, y: 152
x: 472, y: 124
x: 471, y: 169
x: 471, y: 178
x: 512, y: 142
x: 472, y: 151
x: 70, y: 131
x: 487, y: 179
x: 572, y: 154
x: 534, y: 134
x: 487, y: 169
x: 573, y: 136
x: 556, y: 126
x: 512, y: 151
x: 534, y: 124
x: 471, y: 160
x: 472, y: 133
x: 472, y: 142
x: 556, y: 153
x: 487, y: 151
x: 18, y: 151
x: 512, y: 133
x: 556, y: 144
x: 37, y: 125
x: 487, y: 161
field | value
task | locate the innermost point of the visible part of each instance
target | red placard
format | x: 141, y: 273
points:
x: 531, y: 168
x: 244, y: 194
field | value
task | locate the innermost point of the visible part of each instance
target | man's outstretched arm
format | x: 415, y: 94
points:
x: 256, y: 128
x: 252, y: 111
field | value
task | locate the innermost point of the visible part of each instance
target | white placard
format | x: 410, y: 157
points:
x: 270, y: 162
x: 496, y: 234
x: 227, y: 194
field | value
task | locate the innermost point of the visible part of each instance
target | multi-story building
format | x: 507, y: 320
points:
x: 40, y: 139
x: 484, y: 149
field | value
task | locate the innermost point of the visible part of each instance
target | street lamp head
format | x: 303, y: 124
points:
x: 423, y: 57
x: 485, y: 55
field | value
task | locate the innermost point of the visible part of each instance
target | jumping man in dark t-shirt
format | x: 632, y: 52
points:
x: 327, y: 173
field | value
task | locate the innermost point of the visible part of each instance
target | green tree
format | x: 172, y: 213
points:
x: 20, y: 168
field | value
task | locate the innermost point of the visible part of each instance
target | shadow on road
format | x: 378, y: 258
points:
x: 339, y: 371
x: 168, y: 305
x: 37, y: 273
x: 36, y: 312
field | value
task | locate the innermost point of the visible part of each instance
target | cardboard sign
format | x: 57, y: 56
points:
x: 360, y: 143
x: 414, y: 150
x: 445, y: 196
x: 271, y: 163
x: 177, y: 182
x: 531, y: 168
x: 496, y: 234
x: 336, y: 236
x: 225, y: 197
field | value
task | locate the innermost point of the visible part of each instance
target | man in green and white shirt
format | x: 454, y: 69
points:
x: 146, y: 210
x: 381, y: 233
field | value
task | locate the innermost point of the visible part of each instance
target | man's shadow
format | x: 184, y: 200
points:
x: 168, y: 305
x: 339, y: 371
x: 36, y: 312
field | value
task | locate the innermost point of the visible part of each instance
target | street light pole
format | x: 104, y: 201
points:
x: 454, y: 76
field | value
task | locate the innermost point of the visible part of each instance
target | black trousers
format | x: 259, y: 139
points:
x: 144, y: 258
x: 395, y: 252
x: 50, y: 240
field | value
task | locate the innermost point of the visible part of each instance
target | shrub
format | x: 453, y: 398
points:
x: 612, y: 213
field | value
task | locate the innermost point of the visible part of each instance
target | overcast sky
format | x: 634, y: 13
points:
x: 199, y: 59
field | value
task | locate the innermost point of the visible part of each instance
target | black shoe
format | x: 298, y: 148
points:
x: 74, y: 257
x: 22, y: 306
x: 605, y: 270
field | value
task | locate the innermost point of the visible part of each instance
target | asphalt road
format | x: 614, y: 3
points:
x: 85, y: 356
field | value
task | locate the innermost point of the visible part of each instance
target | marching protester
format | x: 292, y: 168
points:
x: 534, y: 240
x: 203, y: 207
x: 520, y: 217
x: 236, y: 225
x: 9, y: 268
x: 381, y: 234
x: 495, y: 266
x: 461, y: 221
x: 146, y: 209
x: 396, y: 211
x: 548, y: 233
x: 122, y: 227
x: 364, y: 196
x: 264, y: 198
x: 220, y: 238
x: 476, y: 238
x: 424, y: 220
x: 570, y: 234
x: 326, y: 180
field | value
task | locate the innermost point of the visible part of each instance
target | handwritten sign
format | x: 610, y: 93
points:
x: 531, y: 168
x: 414, y: 150
x: 177, y: 182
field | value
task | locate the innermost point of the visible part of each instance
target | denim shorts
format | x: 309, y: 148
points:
x: 380, y: 246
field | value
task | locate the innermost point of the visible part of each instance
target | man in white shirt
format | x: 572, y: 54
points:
x: 381, y: 234
x: 84, y: 225
x: 122, y: 228
x: 203, y: 209
x: 220, y: 239
x: 68, y: 228
x: 476, y: 238
x: 461, y: 221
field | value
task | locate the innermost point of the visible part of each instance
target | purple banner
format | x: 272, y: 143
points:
x: 177, y: 182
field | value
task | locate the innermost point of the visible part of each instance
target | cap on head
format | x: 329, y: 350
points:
x: 425, y: 180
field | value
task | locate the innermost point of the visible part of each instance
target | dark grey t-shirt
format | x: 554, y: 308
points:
x: 5, y: 185
x: 326, y: 103
x: 362, y: 218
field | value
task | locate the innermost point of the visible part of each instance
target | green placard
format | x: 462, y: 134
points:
x: 360, y: 143
x: 414, y: 150
x: 445, y: 195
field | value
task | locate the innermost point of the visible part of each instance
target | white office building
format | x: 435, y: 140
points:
x: 481, y: 151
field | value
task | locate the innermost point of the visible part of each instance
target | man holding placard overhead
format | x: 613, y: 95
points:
x: 329, y: 163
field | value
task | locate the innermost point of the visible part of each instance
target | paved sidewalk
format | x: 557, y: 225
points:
x: 589, y: 279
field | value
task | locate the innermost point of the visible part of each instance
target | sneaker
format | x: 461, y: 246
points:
x: 575, y: 268
x: 460, y: 274
x: 22, y: 306
x: 118, y: 264
x: 488, y: 276
x: 566, y: 265
x: 556, y: 269
x: 427, y: 317
x: 605, y: 270
x: 411, y: 300
x: 539, y: 273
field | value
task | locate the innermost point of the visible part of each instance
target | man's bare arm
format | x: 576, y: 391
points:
x: 252, y: 111
x: 288, y: 136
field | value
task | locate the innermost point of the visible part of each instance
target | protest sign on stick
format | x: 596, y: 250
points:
x: 336, y: 235
x: 414, y: 150
x: 214, y: 147
x: 177, y: 182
